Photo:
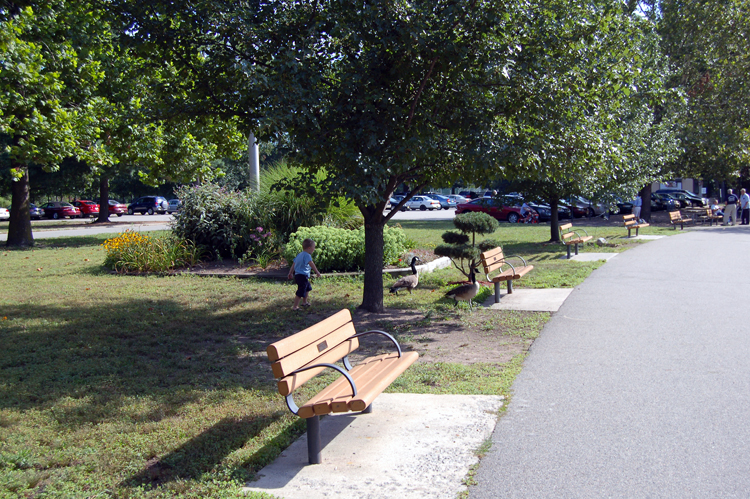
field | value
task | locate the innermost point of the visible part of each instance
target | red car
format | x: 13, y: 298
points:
x: 117, y: 208
x: 493, y: 207
x: 88, y: 208
x: 60, y: 209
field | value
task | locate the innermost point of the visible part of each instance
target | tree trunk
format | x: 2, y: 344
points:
x: 372, y: 296
x: 646, y: 204
x: 103, y: 199
x: 19, y: 228
x: 554, y: 221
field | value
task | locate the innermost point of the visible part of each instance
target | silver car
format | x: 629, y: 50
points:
x: 174, y: 205
x: 422, y: 203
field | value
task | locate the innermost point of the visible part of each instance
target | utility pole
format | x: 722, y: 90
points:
x: 254, y: 162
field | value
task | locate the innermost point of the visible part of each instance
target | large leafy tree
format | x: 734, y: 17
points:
x: 597, y: 116
x: 707, y: 44
x: 46, y: 81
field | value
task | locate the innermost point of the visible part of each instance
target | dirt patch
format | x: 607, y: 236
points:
x: 457, y: 336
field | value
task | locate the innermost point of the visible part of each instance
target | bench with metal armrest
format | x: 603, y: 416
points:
x: 675, y: 217
x: 570, y: 237
x: 493, y: 260
x: 631, y: 223
x: 300, y: 357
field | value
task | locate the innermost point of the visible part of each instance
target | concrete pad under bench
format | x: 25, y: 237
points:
x: 411, y: 446
x: 590, y: 257
x: 532, y: 300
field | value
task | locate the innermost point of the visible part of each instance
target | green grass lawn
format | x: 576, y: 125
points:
x: 147, y: 386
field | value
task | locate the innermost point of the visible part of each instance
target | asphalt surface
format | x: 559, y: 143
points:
x: 640, y: 385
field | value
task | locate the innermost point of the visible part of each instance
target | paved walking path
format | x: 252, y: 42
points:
x: 640, y: 385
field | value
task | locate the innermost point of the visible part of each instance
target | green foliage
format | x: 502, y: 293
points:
x: 457, y: 247
x: 475, y: 223
x: 451, y: 237
x: 136, y: 252
x: 343, y: 249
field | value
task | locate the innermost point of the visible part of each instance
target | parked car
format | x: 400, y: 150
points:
x: 60, y: 209
x: 88, y: 208
x: 495, y: 207
x: 544, y: 210
x: 35, y: 212
x: 445, y: 202
x: 174, y: 205
x: 149, y: 204
x: 117, y: 208
x: 4, y: 214
x: 422, y: 203
x: 582, y: 207
x: 664, y: 202
x: 686, y: 198
x: 469, y: 194
x: 624, y: 207
x: 458, y: 198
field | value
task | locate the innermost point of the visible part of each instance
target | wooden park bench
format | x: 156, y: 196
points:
x: 302, y: 356
x: 710, y: 217
x: 675, y: 217
x: 631, y: 223
x: 570, y: 237
x: 493, y: 260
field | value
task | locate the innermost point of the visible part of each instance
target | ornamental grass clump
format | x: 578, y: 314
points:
x: 135, y: 252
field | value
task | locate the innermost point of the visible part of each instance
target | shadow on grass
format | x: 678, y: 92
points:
x: 206, y: 451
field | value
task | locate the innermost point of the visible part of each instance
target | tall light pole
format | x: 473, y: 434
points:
x: 254, y: 162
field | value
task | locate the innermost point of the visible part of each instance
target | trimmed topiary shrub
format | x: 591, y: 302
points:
x: 341, y: 250
x: 465, y: 255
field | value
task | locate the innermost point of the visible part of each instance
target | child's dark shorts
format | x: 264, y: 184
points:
x: 303, y: 285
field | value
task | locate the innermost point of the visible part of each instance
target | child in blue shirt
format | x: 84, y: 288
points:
x: 301, y: 272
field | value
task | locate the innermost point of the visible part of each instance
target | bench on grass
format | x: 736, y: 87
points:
x: 631, y: 223
x: 710, y: 217
x: 493, y: 260
x: 302, y: 356
x: 675, y: 217
x: 570, y: 237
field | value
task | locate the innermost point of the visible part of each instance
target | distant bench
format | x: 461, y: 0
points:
x: 631, y: 223
x: 302, y: 356
x: 710, y: 217
x: 675, y: 217
x: 493, y: 260
x: 570, y: 237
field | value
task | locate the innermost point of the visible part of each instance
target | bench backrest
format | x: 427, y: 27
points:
x: 566, y: 231
x: 674, y: 215
x: 629, y: 220
x: 492, y: 260
x: 327, y: 342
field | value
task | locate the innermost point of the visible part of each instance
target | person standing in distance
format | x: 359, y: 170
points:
x: 301, y: 272
x: 745, y: 206
x: 730, y: 210
x: 637, y: 203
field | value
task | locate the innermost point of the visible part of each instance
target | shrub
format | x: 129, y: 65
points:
x: 461, y: 248
x: 344, y: 249
x: 135, y: 252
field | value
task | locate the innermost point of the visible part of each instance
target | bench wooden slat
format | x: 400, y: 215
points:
x: 290, y: 383
x: 312, y: 352
x: 390, y: 369
x: 286, y: 346
x: 511, y: 274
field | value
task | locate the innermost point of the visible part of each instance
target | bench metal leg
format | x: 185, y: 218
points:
x: 568, y: 252
x: 510, y: 286
x: 576, y: 248
x: 368, y: 410
x: 497, y: 292
x: 636, y: 231
x: 313, y: 439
